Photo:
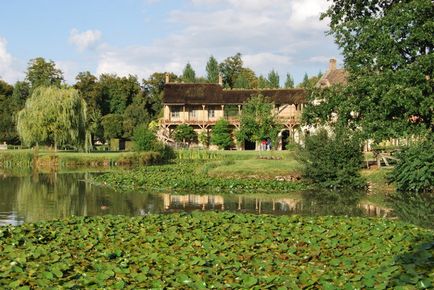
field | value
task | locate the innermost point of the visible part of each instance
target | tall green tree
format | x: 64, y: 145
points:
x: 246, y: 79
x: 274, y: 79
x: 258, y: 121
x: 153, y: 89
x: 289, y: 83
x: 7, y: 130
x: 117, y: 92
x: 388, y: 50
x: 221, y: 134
x: 188, y: 74
x: 53, y: 115
x: 90, y: 90
x: 43, y: 73
x: 263, y: 82
x: 212, y: 70
x: 113, y: 127
x: 230, y: 69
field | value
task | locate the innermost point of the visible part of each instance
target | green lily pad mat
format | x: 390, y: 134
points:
x: 204, y: 250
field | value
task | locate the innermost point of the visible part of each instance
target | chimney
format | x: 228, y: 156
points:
x: 220, y: 80
x: 332, y: 64
x: 167, y: 78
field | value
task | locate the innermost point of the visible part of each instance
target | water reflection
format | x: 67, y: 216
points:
x: 39, y: 196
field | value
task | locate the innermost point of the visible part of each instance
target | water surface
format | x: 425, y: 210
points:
x: 46, y: 196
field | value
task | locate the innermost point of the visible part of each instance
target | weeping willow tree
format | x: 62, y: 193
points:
x: 55, y: 116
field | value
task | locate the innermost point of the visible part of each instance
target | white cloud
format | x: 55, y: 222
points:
x: 10, y: 70
x: 85, y: 39
x: 285, y: 35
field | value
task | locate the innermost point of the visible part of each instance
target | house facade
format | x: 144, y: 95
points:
x: 201, y: 105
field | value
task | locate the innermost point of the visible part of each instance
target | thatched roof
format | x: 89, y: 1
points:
x: 214, y: 94
x: 333, y: 76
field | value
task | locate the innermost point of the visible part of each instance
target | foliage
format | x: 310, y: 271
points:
x: 257, y: 120
x: 53, y: 115
x: 117, y: 92
x: 184, y: 133
x: 144, y: 138
x: 212, y: 70
x: 415, y: 169
x: 289, y: 83
x: 188, y: 74
x: 333, y: 160
x: 230, y: 69
x: 309, y: 82
x: 203, y: 138
x: 388, y: 51
x: 263, y: 83
x: 246, y: 79
x: 274, y: 79
x: 221, y: 134
x: 190, y: 177
x: 43, y: 73
x: 216, y: 250
x: 7, y: 124
x: 112, y: 124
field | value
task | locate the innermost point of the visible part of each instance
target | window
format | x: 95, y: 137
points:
x: 193, y: 114
x: 174, y: 113
x: 211, y: 114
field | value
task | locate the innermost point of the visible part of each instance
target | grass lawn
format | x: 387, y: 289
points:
x: 257, y: 168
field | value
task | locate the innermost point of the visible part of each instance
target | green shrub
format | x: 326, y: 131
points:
x: 185, y: 133
x: 221, y: 134
x: 144, y: 139
x: 333, y: 160
x: 415, y: 169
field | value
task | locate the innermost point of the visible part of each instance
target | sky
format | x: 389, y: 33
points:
x: 140, y: 37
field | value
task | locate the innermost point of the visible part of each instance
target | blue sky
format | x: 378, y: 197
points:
x: 143, y: 36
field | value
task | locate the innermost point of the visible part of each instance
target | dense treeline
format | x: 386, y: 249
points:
x: 116, y: 105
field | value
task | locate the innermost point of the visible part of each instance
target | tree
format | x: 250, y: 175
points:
x: 263, y: 83
x: 53, y: 115
x: 188, y: 74
x: 43, y: 73
x: 230, y: 69
x: 144, y: 138
x: 246, y: 79
x: 221, y: 134
x: 7, y: 132
x: 333, y: 160
x: 289, y: 83
x: 113, y: 127
x: 153, y: 89
x: 309, y: 82
x: 257, y: 121
x: 184, y: 133
x: 274, y: 79
x: 212, y: 70
x: 388, y: 51
x: 117, y: 92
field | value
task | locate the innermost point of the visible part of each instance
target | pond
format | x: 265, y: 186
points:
x: 46, y: 196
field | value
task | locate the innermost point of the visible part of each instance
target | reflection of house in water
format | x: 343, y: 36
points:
x: 210, y: 202
x: 193, y: 201
x: 375, y: 210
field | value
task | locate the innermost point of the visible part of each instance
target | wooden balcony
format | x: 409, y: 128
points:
x: 285, y: 120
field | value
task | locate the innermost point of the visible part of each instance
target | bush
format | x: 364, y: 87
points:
x: 333, y: 160
x: 221, y: 134
x: 144, y: 139
x: 415, y: 169
x: 185, y: 133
